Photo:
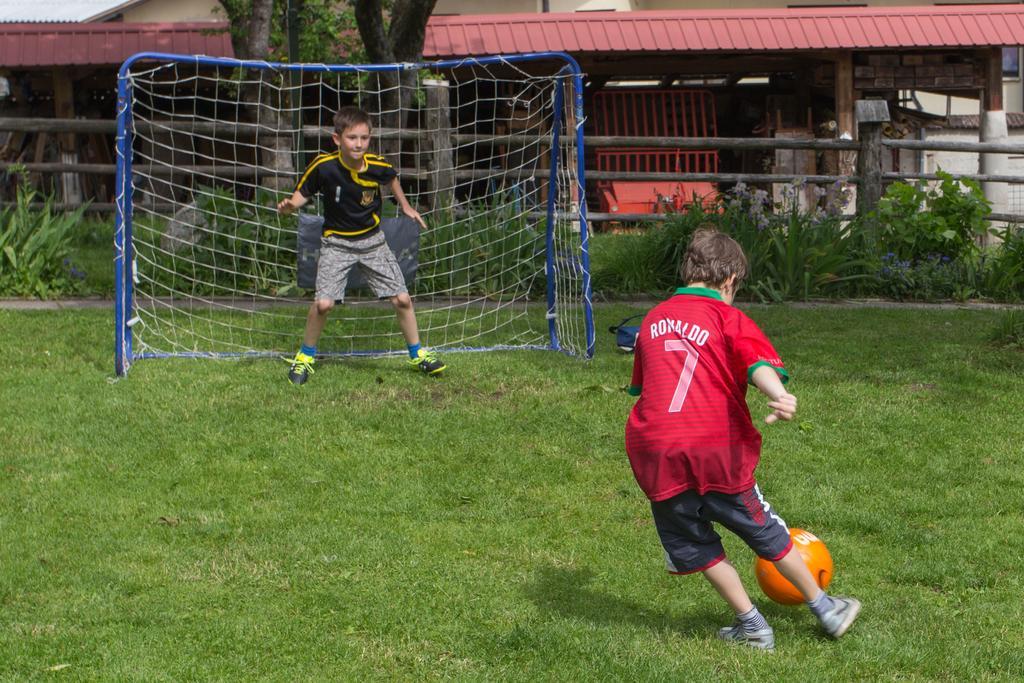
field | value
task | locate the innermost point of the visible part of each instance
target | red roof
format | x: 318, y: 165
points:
x: 740, y: 30
x: 108, y: 43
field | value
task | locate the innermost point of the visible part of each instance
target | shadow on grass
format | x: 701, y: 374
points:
x: 569, y: 593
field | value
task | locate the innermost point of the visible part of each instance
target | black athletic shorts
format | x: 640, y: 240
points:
x: 685, y: 527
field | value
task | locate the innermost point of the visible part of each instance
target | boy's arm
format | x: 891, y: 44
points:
x: 403, y: 203
x: 293, y: 203
x: 782, y: 403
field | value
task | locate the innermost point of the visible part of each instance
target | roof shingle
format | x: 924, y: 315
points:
x: 745, y: 30
x: 43, y: 45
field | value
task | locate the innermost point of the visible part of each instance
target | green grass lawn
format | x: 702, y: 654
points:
x: 207, y: 520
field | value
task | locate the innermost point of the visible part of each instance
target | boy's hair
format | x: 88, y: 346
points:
x: 711, y: 258
x: 346, y: 117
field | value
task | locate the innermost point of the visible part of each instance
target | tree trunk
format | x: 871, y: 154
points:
x: 257, y: 38
x: 276, y: 154
x: 403, y: 42
x: 275, y: 145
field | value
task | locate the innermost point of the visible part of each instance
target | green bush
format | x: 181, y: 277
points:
x: 491, y: 250
x: 646, y: 262
x: 926, y: 249
x: 927, y: 279
x: 1002, y: 273
x: 239, y: 247
x: 806, y: 254
x: 486, y: 250
x: 918, y: 222
x: 93, y: 252
x: 792, y: 254
x: 247, y: 247
x: 35, y: 248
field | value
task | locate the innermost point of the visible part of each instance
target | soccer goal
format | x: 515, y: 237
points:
x: 489, y: 150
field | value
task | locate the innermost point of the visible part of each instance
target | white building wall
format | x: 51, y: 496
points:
x: 175, y: 10
x: 960, y: 162
x: 726, y: 4
x: 475, y: 7
x: 532, y: 6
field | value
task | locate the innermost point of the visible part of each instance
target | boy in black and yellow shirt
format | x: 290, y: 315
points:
x: 350, y: 181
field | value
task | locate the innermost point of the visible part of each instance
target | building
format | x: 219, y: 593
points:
x: 945, y: 104
x: 776, y: 69
x: 60, y: 60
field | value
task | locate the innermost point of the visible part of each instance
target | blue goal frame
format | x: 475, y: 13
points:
x: 124, y: 308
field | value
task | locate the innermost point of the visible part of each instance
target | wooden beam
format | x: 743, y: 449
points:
x: 993, y: 70
x: 702, y: 64
x: 845, y: 95
x: 933, y: 145
x: 64, y: 108
x: 440, y: 160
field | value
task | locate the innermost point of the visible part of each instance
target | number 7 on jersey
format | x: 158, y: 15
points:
x: 686, y: 376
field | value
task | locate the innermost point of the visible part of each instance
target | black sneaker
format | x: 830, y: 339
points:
x: 427, y: 363
x: 302, y: 368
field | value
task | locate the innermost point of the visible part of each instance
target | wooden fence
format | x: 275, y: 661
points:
x: 868, y: 177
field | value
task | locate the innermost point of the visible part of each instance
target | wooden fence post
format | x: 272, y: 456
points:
x: 64, y: 108
x: 871, y: 114
x: 439, y: 141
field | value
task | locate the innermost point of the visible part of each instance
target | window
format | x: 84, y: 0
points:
x: 1011, y: 62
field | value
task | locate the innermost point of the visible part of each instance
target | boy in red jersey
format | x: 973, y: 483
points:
x: 694, y: 448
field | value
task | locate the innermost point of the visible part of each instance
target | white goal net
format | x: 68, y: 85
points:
x: 488, y: 150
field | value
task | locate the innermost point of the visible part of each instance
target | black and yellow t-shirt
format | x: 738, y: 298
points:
x: 351, y: 198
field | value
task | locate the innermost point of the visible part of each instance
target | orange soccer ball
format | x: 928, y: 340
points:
x: 817, y: 559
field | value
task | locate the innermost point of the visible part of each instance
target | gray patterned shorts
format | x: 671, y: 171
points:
x: 373, y: 256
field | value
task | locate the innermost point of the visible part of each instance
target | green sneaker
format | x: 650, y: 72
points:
x: 302, y: 368
x: 427, y: 363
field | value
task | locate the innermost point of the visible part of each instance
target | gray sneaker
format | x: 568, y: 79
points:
x: 838, y: 620
x: 762, y: 639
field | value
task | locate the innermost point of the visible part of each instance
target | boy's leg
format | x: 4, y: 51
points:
x: 302, y: 364
x: 727, y: 582
x: 792, y: 566
x: 406, y: 318
x: 424, y: 360
x: 315, y: 321
x: 836, y: 614
x: 336, y: 261
x: 692, y: 545
x: 750, y: 627
x: 384, y: 276
x: 752, y: 518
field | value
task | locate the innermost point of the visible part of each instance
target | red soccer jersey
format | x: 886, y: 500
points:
x: 691, y: 429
